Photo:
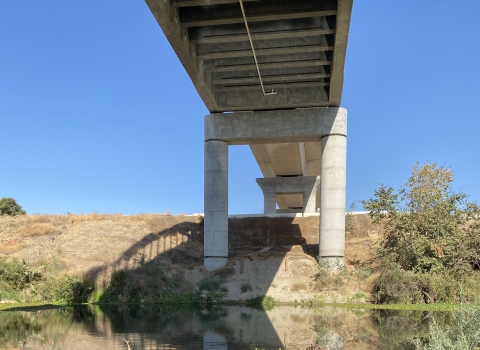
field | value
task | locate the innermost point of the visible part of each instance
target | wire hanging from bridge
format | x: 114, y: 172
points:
x: 254, y: 55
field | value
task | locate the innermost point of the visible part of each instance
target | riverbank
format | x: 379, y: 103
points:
x: 116, y: 258
x: 305, y: 305
x: 156, y: 258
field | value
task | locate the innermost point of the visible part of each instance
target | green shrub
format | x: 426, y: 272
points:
x: 210, y: 284
x: 330, y: 274
x: 149, y: 281
x: 65, y: 289
x: 9, y: 206
x: 261, y: 302
x: 428, y: 227
x: 18, y: 275
x: 245, y: 287
x: 396, y: 286
x: 23, y: 283
x: 399, y: 286
x: 432, y: 238
x: 464, y: 334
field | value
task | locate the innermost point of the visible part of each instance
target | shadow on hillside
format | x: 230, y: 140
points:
x: 180, y: 247
x: 179, y: 244
x: 152, y: 270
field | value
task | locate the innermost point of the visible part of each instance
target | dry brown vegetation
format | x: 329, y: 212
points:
x: 96, y: 244
x: 92, y: 246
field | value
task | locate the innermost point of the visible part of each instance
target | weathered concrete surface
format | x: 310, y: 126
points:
x: 277, y: 126
x: 333, y: 192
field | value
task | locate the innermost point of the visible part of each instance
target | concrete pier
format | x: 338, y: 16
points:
x: 216, y: 204
x: 307, y: 186
x: 321, y: 126
x: 332, y: 193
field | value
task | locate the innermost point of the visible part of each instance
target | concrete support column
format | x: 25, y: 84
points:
x: 269, y: 202
x: 332, y: 207
x: 216, y: 204
x: 310, y: 201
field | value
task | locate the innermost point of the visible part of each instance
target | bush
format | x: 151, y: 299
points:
x: 210, y: 284
x: 245, y: 287
x: 150, y: 281
x: 398, y: 286
x: 463, y: 335
x: 330, y: 274
x: 18, y: 275
x: 428, y: 226
x: 431, y: 231
x: 262, y: 302
x: 9, y: 206
x: 24, y: 283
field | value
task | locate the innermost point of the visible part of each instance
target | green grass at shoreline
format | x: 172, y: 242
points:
x: 399, y: 307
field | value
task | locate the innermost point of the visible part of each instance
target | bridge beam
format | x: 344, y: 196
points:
x: 327, y: 126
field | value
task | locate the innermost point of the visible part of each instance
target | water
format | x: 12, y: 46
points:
x: 220, y: 328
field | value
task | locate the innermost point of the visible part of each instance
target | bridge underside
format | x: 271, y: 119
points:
x: 296, y: 49
x: 300, y: 47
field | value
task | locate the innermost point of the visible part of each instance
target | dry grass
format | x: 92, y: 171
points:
x: 76, y: 219
x: 10, y: 247
x: 38, y: 229
x: 95, y: 244
x: 299, y: 286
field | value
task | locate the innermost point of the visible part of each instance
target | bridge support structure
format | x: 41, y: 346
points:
x: 328, y: 125
x: 306, y: 185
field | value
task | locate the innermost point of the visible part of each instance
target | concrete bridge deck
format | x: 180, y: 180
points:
x: 300, y: 47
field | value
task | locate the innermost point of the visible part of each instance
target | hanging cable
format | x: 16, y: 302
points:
x: 253, y: 51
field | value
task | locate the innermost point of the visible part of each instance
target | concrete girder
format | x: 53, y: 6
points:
x: 277, y: 126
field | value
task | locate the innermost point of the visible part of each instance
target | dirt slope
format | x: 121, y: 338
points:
x: 268, y: 256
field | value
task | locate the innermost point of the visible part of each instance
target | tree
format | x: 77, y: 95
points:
x: 428, y: 226
x: 9, y: 206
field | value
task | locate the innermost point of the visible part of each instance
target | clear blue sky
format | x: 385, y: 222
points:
x: 97, y: 113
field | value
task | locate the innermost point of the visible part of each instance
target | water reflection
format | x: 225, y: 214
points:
x: 220, y: 328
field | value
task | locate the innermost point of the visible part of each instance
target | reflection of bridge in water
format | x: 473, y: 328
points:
x: 239, y: 328
x: 271, y: 74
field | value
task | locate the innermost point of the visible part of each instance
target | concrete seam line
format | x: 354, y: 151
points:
x: 332, y: 135
x: 219, y: 257
x: 216, y: 140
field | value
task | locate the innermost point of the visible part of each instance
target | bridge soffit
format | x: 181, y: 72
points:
x: 300, y: 47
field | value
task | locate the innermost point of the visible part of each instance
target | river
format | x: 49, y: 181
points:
x: 219, y: 328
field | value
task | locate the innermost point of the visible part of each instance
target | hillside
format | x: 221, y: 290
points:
x: 268, y: 256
